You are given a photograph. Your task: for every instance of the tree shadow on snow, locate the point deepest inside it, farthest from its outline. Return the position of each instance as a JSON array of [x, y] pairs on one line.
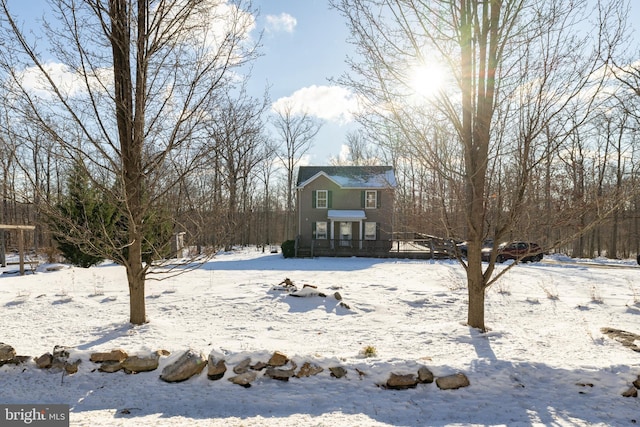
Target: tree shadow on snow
[[278, 262], [501, 393], [306, 304]]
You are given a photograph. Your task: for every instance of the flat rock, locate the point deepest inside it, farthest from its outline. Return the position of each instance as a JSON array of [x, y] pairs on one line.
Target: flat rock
[[401, 381], [45, 361], [452, 382], [189, 363], [110, 366], [243, 366], [278, 359], [279, 374], [144, 363], [631, 392], [111, 356], [308, 370], [72, 367], [338, 371], [244, 379]]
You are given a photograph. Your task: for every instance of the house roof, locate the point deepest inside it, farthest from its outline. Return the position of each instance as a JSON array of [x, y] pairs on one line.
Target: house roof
[[349, 176]]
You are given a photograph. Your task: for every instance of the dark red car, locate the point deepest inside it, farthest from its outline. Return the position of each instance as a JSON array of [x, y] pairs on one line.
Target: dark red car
[[521, 251]]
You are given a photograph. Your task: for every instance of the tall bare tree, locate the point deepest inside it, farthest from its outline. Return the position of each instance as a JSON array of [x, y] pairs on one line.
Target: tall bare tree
[[515, 68], [295, 133], [237, 130], [123, 89]]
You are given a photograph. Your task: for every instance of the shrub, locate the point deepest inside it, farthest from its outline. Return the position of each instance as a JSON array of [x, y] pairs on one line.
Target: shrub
[[369, 351], [288, 248]]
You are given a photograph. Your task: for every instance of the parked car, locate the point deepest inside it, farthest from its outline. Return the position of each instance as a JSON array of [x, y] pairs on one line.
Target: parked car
[[521, 251], [462, 247]]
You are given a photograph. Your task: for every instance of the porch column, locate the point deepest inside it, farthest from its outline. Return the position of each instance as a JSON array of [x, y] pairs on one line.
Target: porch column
[[333, 226], [361, 231]]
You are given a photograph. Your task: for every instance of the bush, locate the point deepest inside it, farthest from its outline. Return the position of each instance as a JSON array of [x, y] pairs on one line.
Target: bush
[[288, 248]]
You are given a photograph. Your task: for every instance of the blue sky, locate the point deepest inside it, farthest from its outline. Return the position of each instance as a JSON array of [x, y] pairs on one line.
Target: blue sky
[[303, 47]]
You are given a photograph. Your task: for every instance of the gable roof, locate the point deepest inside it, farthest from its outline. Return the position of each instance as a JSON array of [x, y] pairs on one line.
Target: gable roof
[[349, 176]]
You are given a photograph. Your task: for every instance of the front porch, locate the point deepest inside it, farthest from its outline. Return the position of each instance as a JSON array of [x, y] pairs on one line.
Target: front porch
[[343, 247], [409, 248]]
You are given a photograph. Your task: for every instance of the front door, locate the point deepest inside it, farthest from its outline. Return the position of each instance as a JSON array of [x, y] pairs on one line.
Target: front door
[[345, 234]]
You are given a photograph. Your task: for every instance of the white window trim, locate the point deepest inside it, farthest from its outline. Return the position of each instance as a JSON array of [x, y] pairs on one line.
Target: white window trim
[[366, 199], [325, 199], [325, 235], [369, 236]]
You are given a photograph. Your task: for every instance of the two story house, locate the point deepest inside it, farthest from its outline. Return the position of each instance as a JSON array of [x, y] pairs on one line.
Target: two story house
[[345, 210]]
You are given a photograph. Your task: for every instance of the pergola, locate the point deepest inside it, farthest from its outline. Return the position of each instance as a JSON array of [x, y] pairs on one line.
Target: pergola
[[20, 229]]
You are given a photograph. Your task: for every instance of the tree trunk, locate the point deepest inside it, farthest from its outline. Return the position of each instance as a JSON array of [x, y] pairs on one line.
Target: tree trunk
[[136, 279], [130, 120]]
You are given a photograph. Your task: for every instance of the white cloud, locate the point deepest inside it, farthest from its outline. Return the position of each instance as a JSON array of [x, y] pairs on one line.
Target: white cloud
[[283, 22], [331, 103], [345, 154], [66, 80]]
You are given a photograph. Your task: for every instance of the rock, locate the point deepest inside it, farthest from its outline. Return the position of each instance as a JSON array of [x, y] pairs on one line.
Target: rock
[[278, 359], [401, 381], [245, 379], [452, 382], [145, 363], [344, 305], [61, 352], [425, 376], [337, 296], [280, 374], [308, 370], [6, 352], [163, 352], [112, 356], [110, 366], [216, 366], [189, 363], [58, 364], [636, 383], [72, 367], [627, 339], [17, 360], [242, 367], [631, 392], [338, 372], [259, 366], [59, 360], [45, 361]]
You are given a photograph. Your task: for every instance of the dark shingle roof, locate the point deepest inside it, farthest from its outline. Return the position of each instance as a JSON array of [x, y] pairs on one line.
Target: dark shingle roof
[[351, 176]]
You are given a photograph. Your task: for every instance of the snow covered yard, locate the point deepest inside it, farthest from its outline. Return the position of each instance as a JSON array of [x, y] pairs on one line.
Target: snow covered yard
[[544, 362]]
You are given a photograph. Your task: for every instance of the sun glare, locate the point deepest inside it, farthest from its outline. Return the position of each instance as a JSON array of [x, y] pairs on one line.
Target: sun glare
[[427, 80]]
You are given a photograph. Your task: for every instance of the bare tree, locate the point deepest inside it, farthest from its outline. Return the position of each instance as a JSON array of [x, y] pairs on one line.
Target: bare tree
[[295, 132], [237, 130], [515, 68], [127, 96]]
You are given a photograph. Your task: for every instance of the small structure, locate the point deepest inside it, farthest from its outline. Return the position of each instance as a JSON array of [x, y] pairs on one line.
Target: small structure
[[345, 210], [177, 245], [20, 229]]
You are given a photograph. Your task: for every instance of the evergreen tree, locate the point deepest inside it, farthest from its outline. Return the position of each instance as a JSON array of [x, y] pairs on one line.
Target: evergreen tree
[[81, 220]]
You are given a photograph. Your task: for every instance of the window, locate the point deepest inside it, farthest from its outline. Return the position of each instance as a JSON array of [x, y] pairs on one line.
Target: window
[[321, 230], [369, 231], [322, 199], [371, 199]]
